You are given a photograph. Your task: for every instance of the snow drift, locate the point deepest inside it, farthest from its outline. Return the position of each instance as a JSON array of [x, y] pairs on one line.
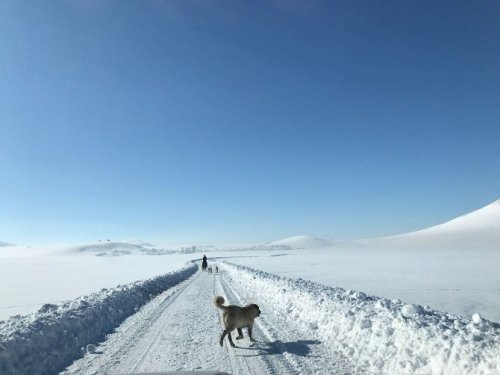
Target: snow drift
[[47, 341], [379, 335]]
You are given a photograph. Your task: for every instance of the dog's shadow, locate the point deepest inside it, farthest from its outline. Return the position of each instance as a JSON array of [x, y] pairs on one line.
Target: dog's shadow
[[300, 348]]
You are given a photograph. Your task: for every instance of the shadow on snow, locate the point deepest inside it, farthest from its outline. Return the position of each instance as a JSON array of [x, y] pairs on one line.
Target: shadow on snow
[[300, 348]]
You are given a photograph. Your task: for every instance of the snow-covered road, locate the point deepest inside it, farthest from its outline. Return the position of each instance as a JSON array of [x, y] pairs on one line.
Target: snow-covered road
[[179, 331], [169, 323]]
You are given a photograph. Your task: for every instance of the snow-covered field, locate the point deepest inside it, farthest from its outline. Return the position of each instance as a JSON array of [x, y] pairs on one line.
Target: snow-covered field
[[460, 283], [31, 277], [437, 286], [50, 339], [453, 267], [378, 335]]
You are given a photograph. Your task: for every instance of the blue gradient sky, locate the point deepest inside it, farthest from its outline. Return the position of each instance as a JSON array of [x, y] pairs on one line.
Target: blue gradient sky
[[236, 122]]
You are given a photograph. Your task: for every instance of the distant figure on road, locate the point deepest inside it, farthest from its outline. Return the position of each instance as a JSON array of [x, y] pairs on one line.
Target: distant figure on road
[[204, 263]]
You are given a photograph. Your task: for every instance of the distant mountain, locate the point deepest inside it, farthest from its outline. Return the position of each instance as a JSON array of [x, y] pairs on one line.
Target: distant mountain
[[112, 248], [300, 242], [6, 244], [140, 243], [477, 228]]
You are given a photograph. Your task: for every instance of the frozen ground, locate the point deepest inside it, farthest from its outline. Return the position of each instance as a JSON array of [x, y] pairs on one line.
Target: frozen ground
[[461, 283], [304, 328], [31, 277], [452, 267], [56, 335]]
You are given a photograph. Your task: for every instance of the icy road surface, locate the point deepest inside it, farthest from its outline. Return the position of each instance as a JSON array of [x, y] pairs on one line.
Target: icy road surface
[[179, 331]]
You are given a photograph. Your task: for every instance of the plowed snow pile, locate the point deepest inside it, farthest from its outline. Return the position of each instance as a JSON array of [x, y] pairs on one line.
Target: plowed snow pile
[[50, 339], [379, 335]]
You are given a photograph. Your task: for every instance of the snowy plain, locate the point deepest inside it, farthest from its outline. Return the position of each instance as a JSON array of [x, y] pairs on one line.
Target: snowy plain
[[31, 277], [448, 274]]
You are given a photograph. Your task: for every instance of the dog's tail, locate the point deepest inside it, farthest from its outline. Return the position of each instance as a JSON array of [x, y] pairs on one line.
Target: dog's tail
[[219, 302]]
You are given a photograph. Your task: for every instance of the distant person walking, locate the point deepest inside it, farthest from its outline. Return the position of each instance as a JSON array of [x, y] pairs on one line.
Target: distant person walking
[[204, 263]]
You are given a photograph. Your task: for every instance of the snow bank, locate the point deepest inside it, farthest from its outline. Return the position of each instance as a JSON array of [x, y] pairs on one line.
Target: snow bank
[[379, 335], [47, 341]]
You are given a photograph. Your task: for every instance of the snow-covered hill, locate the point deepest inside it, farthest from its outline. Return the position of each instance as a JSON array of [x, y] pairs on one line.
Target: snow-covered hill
[[300, 242], [111, 248], [477, 229], [140, 243]]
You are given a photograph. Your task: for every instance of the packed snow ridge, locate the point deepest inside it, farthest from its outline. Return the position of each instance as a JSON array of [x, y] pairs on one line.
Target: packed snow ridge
[[47, 341], [378, 335]]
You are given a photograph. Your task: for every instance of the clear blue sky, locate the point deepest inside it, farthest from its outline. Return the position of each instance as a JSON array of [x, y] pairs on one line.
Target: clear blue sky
[[244, 121]]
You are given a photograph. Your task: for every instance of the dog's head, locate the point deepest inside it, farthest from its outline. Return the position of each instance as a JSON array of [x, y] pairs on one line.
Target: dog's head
[[256, 309]]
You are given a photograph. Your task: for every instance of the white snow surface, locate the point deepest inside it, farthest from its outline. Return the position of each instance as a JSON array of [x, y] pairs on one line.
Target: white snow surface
[[181, 331], [477, 229], [50, 339], [379, 336], [484, 220], [32, 277], [305, 327], [452, 267]]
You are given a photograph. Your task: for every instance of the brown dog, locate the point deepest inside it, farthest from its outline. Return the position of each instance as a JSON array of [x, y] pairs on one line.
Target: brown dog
[[237, 317]]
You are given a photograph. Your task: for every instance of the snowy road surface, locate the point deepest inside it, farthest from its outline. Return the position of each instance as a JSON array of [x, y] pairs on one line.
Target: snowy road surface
[[179, 331], [169, 323]]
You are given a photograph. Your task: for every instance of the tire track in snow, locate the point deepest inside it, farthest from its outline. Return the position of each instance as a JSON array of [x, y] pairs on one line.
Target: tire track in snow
[[116, 346], [180, 331], [283, 365], [292, 348], [162, 308]]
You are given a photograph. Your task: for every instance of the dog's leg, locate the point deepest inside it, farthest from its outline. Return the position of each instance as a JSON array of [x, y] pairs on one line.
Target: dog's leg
[[250, 332], [224, 333], [228, 333], [230, 339], [240, 334]]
